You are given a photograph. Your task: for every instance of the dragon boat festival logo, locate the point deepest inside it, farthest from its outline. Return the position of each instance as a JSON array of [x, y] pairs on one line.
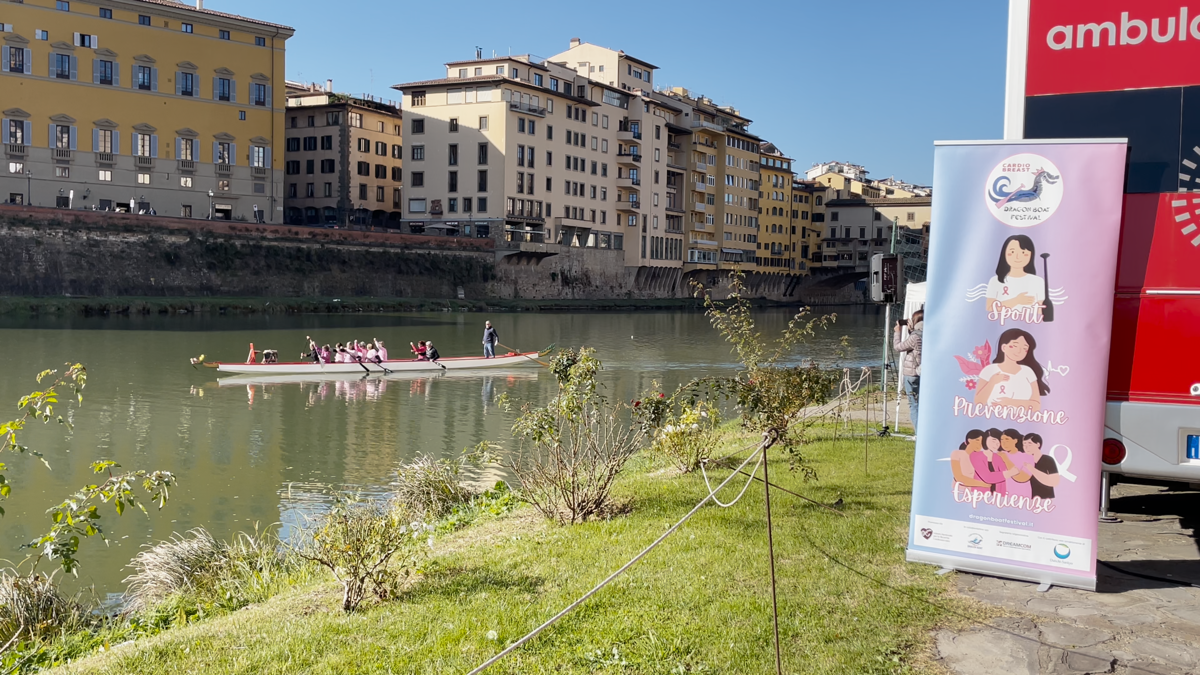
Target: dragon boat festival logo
[[1024, 190]]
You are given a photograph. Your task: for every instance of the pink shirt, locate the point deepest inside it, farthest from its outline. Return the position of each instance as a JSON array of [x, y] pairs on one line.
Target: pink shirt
[[1024, 463], [994, 475]]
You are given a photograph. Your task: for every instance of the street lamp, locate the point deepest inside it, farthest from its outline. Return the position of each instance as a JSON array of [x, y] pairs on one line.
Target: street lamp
[[210, 204], [28, 187]]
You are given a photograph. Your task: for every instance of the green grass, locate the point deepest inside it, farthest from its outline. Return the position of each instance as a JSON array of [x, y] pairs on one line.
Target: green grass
[[699, 603]]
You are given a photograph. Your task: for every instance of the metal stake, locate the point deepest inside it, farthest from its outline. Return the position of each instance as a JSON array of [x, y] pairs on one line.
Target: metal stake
[[771, 552], [1105, 486]]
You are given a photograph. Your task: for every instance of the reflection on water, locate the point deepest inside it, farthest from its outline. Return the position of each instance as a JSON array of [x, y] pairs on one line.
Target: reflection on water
[[262, 450]]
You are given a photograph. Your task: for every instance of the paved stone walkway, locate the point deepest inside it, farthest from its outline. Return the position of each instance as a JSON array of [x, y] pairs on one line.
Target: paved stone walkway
[[1129, 626]]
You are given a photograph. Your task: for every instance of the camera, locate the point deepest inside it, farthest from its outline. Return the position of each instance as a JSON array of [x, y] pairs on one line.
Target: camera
[[903, 322]]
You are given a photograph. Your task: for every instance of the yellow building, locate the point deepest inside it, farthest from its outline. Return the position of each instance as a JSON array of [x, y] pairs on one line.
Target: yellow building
[[142, 105], [777, 220], [808, 214]]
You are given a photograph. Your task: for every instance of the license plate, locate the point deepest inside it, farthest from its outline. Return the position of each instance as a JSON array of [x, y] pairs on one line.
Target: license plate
[[1193, 446]]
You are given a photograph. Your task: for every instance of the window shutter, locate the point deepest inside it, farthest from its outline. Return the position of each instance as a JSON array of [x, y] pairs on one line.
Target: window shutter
[[28, 62], [133, 144], [116, 74], [233, 91], [154, 79], [95, 42], [4, 131], [116, 142], [95, 140], [267, 158], [178, 148], [4, 58], [154, 145], [178, 83], [51, 62], [214, 81], [270, 103], [28, 132], [95, 71], [77, 39], [50, 138], [233, 154], [216, 152], [74, 142], [74, 67]]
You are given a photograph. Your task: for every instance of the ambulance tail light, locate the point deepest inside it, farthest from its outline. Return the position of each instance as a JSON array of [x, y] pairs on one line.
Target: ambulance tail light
[[1114, 452]]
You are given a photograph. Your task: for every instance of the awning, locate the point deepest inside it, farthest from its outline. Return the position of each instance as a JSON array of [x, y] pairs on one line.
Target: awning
[[734, 250]]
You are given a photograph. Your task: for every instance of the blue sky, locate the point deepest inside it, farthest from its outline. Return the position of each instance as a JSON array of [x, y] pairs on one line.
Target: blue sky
[[873, 82]]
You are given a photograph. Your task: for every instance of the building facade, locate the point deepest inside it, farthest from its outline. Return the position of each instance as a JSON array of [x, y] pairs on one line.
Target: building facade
[[860, 228], [344, 159], [808, 209], [142, 105], [779, 217]]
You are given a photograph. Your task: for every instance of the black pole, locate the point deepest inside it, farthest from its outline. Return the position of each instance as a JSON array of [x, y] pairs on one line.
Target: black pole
[[1048, 310], [771, 552]]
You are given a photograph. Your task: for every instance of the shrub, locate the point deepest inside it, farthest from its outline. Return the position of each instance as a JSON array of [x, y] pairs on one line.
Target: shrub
[[370, 546], [182, 563], [433, 486], [688, 435], [572, 449]]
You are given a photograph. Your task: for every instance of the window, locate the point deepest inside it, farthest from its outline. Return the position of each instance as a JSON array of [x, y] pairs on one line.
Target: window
[[105, 13], [143, 179], [293, 145], [355, 119], [310, 143], [364, 169], [364, 145], [104, 72], [224, 35], [225, 154], [328, 166], [185, 27], [62, 5], [418, 152], [418, 179], [520, 125], [397, 151], [833, 216], [291, 192], [328, 190], [62, 66], [462, 72], [603, 169], [16, 59], [483, 124], [452, 154], [362, 191], [396, 175], [381, 172], [105, 176], [310, 167], [520, 155], [452, 181], [453, 125], [104, 141], [532, 127], [41, 35], [416, 206], [260, 41], [258, 156], [224, 89], [143, 19], [418, 98], [381, 148], [418, 126], [911, 217], [483, 154], [258, 94], [379, 193], [466, 204], [482, 185], [332, 119], [292, 167]]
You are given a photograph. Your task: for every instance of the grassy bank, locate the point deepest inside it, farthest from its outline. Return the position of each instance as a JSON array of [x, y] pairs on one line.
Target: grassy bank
[[699, 603]]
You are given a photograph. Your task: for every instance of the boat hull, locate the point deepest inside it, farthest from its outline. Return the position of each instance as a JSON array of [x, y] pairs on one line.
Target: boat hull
[[406, 366]]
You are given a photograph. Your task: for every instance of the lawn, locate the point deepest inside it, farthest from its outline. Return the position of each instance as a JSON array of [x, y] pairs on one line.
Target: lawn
[[699, 603]]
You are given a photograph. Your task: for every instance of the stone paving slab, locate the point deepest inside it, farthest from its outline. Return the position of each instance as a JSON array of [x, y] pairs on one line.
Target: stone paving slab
[[1130, 626]]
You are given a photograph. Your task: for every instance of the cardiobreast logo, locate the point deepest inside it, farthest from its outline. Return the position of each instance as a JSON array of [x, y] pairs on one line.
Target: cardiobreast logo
[[1024, 190]]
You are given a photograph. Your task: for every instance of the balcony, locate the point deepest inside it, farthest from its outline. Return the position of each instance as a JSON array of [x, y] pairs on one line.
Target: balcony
[[675, 146], [143, 162], [106, 158], [188, 165], [16, 150], [627, 182], [629, 206], [526, 108], [674, 230], [629, 158], [701, 124], [703, 242], [624, 134], [671, 208], [62, 155], [259, 171], [700, 186], [698, 206], [224, 169], [674, 164]]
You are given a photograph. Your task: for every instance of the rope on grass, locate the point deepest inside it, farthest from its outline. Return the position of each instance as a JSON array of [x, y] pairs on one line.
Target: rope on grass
[[713, 493], [511, 648]]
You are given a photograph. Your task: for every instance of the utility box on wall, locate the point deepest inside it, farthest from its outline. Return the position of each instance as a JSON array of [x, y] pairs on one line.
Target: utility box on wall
[[887, 272]]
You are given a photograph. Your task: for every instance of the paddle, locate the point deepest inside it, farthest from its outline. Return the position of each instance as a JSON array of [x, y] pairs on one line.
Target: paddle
[[528, 357]]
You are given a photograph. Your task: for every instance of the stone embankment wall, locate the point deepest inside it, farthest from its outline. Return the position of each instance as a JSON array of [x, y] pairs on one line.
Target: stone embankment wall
[[49, 252]]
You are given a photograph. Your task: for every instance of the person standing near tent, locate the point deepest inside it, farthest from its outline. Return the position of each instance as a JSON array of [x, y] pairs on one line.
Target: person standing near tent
[[490, 338], [911, 367]]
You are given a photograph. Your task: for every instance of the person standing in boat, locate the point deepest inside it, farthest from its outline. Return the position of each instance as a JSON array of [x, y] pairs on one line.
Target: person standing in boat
[[490, 339], [314, 352], [431, 353], [381, 350]]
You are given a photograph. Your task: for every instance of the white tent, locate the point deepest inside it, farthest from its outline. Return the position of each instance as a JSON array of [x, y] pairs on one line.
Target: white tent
[[914, 298]]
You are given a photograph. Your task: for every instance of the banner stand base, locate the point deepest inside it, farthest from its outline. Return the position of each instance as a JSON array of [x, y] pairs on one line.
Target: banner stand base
[[999, 569], [1044, 587], [945, 570]]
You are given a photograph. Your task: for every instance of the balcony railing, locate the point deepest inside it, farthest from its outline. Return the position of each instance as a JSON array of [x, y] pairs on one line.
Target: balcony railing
[[626, 181], [629, 206], [143, 162], [17, 150], [700, 186], [701, 124], [258, 171], [62, 155], [526, 108], [625, 134], [629, 156], [675, 146], [106, 158], [187, 165], [224, 169], [675, 209], [698, 206]]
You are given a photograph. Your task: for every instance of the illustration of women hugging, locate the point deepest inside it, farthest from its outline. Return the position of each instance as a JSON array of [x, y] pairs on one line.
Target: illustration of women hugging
[[1014, 378], [1006, 462], [991, 464], [1016, 292]]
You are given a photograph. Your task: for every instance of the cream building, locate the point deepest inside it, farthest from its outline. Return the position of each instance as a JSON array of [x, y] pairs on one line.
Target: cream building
[[778, 221], [344, 159], [859, 228], [141, 105]]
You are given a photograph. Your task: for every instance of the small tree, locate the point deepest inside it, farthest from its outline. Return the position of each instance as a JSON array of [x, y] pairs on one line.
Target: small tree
[[572, 449], [688, 433]]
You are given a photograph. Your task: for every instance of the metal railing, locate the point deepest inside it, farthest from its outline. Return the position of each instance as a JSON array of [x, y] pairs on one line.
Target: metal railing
[[143, 161], [526, 108], [187, 165], [62, 154], [17, 149], [224, 169], [106, 158]]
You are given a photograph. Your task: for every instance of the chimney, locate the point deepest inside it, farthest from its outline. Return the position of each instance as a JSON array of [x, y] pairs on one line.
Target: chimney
[[328, 86], [199, 4], [574, 42]]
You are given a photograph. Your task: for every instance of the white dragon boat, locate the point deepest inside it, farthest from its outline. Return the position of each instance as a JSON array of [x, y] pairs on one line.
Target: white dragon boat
[[508, 360]]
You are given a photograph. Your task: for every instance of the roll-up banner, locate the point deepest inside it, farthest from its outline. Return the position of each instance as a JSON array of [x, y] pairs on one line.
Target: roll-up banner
[[1022, 266]]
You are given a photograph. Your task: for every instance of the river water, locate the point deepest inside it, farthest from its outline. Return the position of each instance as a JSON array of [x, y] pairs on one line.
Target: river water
[[263, 453]]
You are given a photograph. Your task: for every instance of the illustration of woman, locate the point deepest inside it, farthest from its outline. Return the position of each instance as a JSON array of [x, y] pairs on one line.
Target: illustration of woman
[[989, 464], [1014, 378], [1016, 283], [1019, 483], [960, 462]]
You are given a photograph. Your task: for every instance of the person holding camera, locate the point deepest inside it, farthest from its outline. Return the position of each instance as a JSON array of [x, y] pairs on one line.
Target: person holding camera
[[910, 347]]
